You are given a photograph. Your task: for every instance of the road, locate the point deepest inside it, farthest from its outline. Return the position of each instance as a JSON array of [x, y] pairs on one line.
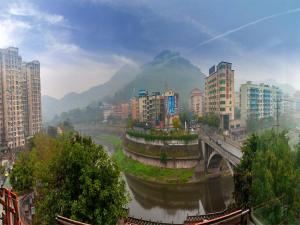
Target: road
[[228, 147]]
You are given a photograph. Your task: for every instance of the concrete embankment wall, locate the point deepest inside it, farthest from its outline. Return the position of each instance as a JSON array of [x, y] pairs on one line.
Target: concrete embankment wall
[[178, 156]]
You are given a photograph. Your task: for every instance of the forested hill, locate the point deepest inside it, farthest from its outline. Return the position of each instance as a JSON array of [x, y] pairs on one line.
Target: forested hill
[[166, 69]]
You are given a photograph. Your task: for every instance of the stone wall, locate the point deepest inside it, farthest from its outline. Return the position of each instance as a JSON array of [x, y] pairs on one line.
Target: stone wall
[[172, 151], [161, 143], [170, 162]]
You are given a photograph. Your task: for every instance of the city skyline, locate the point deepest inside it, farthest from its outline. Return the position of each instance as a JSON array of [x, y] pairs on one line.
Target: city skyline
[[89, 40]]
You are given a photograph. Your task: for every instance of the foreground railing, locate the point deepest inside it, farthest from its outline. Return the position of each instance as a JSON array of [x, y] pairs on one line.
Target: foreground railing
[[66, 221], [9, 201]]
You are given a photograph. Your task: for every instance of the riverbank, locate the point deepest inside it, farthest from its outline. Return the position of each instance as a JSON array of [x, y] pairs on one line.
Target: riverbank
[[151, 173], [142, 171]]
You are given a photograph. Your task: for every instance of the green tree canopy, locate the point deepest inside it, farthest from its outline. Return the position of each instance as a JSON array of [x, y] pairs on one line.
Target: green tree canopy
[[73, 177], [210, 119], [267, 179]]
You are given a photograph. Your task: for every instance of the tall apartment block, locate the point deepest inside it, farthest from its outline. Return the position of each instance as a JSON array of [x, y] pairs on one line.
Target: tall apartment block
[[259, 101], [20, 98], [150, 108], [219, 93], [31, 98], [196, 102]]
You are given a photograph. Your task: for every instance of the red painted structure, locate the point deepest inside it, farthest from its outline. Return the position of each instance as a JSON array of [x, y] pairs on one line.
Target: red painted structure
[[9, 202]]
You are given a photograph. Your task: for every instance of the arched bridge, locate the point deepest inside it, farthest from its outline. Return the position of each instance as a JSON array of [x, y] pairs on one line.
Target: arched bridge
[[215, 148]]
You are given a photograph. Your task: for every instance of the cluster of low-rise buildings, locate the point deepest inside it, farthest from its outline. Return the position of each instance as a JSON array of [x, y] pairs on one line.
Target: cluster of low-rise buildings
[[20, 99], [255, 101], [155, 109]]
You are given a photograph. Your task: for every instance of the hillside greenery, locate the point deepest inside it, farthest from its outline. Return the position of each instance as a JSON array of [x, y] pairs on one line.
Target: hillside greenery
[[88, 115], [167, 70]]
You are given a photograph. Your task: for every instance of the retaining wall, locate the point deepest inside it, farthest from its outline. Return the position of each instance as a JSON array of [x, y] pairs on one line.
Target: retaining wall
[[170, 162]]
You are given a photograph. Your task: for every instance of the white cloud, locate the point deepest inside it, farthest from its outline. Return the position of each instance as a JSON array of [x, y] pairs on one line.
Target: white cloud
[[63, 72], [30, 10], [12, 32]]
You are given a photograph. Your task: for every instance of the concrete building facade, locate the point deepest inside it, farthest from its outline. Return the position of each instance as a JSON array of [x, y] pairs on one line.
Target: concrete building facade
[[171, 107], [259, 101], [219, 93], [150, 108], [155, 109], [134, 108], [31, 98], [20, 98], [196, 102]]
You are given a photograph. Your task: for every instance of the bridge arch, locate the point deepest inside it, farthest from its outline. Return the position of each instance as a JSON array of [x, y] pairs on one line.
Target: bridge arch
[[214, 163]]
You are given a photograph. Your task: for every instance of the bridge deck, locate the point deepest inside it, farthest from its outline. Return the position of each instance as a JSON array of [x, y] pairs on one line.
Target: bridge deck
[[227, 150]]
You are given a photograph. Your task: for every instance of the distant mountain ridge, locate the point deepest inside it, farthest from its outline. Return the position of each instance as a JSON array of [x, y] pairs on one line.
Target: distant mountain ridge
[[167, 69], [52, 106]]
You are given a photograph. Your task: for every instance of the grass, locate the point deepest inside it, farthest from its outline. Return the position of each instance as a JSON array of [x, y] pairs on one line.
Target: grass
[[111, 139], [142, 171], [151, 173]]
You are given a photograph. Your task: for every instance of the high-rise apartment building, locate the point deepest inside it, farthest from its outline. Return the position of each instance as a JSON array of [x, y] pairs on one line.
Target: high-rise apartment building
[[259, 101], [196, 102], [32, 98], [20, 98], [219, 93], [150, 108]]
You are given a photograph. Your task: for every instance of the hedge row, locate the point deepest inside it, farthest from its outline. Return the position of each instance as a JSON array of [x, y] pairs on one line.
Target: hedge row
[[162, 137]]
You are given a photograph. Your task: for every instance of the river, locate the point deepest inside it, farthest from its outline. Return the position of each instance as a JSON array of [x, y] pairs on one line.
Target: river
[[173, 202]]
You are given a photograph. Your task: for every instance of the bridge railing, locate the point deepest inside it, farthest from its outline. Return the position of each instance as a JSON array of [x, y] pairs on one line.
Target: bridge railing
[[66, 221], [225, 153]]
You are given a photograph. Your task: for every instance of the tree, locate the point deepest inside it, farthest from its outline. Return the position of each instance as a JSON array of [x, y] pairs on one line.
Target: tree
[[243, 173], [66, 126], [176, 123], [163, 157], [210, 119], [267, 178], [52, 131], [22, 174], [75, 178]]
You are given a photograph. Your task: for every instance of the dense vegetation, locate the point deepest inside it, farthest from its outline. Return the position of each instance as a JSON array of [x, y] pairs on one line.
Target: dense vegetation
[[268, 178], [285, 121], [163, 136], [73, 177], [167, 68], [210, 119], [89, 114], [257, 125]]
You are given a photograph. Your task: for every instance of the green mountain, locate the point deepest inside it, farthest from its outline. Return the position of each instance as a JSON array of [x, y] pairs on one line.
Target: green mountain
[[52, 106], [166, 69]]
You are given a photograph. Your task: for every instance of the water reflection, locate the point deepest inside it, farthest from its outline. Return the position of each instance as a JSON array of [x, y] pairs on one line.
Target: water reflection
[[172, 202]]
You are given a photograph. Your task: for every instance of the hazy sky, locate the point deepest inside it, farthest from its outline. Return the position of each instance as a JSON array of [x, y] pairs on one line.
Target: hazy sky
[[81, 43]]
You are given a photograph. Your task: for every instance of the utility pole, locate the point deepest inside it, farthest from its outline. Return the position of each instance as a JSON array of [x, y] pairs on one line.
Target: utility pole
[[277, 115]]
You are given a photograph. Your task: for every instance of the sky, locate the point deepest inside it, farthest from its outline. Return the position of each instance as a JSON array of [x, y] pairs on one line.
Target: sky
[[82, 43]]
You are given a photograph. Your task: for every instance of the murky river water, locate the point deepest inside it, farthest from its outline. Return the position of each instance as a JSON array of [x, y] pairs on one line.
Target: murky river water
[[172, 202]]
